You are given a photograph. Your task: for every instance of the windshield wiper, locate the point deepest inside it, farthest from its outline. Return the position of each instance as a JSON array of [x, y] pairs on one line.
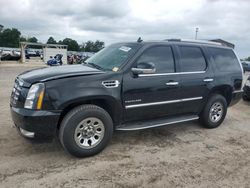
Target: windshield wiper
[[96, 66]]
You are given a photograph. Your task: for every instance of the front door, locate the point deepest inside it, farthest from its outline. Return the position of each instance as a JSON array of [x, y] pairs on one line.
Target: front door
[[147, 96]]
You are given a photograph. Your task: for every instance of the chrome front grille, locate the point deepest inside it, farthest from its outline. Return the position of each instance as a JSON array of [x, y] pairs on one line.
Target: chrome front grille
[[16, 91]]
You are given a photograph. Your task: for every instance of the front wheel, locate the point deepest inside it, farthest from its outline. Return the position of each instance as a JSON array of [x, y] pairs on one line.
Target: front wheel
[[214, 112], [86, 130], [245, 98]]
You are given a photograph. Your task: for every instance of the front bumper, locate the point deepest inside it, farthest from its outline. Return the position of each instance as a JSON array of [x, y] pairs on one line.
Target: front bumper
[[35, 122], [236, 97]]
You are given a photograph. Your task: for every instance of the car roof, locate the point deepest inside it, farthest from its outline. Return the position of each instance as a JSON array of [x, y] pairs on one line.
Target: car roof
[[183, 42]]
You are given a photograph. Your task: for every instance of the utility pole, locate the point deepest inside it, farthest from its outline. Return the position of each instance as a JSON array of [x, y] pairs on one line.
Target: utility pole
[[196, 33]]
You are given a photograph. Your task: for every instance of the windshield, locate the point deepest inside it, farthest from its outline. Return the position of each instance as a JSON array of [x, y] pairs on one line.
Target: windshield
[[113, 56]]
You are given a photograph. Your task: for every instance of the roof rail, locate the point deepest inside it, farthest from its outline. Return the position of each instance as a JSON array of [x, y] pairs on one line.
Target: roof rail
[[193, 41]]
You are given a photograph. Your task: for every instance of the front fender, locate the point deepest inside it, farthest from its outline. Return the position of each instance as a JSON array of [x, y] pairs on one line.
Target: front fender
[[62, 93]]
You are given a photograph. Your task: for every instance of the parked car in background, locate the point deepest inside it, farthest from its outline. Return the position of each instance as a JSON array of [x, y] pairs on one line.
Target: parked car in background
[[10, 55], [127, 86], [57, 60], [246, 89], [245, 65], [32, 53]]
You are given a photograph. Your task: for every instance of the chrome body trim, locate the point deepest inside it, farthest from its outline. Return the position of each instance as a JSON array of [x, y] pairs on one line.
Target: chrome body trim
[[238, 91], [194, 41], [172, 83], [111, 83], [173, 73], [156, 125], [162, 102], [27, 133], [208, 80]]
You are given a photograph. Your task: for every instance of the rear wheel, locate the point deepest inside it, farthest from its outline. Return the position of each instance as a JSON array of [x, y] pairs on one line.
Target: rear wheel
[[86, 130], [214, 112]]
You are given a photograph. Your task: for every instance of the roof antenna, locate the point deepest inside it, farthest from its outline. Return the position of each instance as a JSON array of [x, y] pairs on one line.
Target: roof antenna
[[139, 39]]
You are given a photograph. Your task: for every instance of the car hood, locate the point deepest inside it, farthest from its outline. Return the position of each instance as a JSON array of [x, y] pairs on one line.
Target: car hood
[[58, 72]]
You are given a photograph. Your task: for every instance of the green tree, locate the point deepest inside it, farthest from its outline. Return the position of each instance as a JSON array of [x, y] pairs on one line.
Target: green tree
[[51, 40], [91, 46], [1, 28], [23, 39], [32, 39], [88, 47], [98, 45], [72, 44], [10, 37], [82, 47], [248, 58]]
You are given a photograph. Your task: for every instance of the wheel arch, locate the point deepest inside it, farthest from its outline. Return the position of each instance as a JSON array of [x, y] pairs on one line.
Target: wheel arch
[[224, 90], [110, 104]]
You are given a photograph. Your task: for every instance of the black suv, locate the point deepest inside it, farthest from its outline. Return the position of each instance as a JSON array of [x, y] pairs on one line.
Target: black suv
[[127, 86]]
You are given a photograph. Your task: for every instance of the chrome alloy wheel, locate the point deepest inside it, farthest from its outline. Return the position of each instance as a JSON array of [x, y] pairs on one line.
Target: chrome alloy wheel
[[89, 132], [216, 112]]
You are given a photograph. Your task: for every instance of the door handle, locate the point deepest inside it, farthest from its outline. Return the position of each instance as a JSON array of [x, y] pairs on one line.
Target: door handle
[[172, 83], [208, 80]]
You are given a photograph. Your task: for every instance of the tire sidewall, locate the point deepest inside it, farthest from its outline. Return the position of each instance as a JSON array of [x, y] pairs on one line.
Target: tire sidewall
[[206, 113], [67, 137], [245, 98]]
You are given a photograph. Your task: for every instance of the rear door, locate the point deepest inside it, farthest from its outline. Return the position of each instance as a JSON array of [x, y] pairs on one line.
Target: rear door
[[196, 77]]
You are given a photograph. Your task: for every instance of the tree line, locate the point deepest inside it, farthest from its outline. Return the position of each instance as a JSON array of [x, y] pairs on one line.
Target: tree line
[[247, 59], [11, 37]]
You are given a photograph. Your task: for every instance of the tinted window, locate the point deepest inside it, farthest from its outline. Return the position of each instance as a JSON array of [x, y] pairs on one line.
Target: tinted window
[[161, 56], [225, 59], [192, 59]]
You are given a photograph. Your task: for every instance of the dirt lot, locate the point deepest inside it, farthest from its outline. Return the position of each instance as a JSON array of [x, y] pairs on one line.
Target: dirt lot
[[181, 155]]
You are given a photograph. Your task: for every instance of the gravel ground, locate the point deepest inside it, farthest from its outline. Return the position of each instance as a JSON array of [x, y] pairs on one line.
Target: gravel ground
[[180, 155]]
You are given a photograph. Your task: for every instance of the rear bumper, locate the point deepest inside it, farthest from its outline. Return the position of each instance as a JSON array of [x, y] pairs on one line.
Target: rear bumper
[[236, 97], [34, 123]]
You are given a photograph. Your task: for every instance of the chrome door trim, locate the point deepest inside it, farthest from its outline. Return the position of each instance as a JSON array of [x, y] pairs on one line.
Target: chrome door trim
[[157, 125], [208, 80], [173, 73], [172, 83], [162, 102]]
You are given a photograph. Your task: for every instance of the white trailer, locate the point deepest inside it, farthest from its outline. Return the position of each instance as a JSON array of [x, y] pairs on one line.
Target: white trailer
[[49, 50]]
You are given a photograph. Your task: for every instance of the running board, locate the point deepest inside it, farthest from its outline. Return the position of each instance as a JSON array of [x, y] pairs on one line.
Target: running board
[[155, 123]]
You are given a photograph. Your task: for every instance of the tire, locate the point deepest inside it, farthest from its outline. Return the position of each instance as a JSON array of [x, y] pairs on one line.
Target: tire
[[214, 112], [245, 98], [86, 130]]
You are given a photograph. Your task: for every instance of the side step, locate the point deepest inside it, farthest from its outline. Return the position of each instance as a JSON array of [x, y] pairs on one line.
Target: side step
[[138, 125]]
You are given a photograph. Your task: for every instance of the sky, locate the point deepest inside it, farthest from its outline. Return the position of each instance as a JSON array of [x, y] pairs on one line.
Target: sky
[[126, 20]]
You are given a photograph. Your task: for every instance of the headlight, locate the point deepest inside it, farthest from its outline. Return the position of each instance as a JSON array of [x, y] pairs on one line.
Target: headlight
[[35, 96], [248, 83]]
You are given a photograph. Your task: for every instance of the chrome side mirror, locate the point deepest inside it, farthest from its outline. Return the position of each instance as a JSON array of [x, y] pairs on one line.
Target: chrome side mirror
[[144, 68]]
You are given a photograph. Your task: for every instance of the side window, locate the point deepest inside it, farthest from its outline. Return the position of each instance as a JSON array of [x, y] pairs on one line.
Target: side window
[[225, 59], [161, 56], [192, 59]]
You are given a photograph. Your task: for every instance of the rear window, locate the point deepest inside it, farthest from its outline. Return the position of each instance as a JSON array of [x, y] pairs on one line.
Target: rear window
[[192, 59], [225, 59]]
